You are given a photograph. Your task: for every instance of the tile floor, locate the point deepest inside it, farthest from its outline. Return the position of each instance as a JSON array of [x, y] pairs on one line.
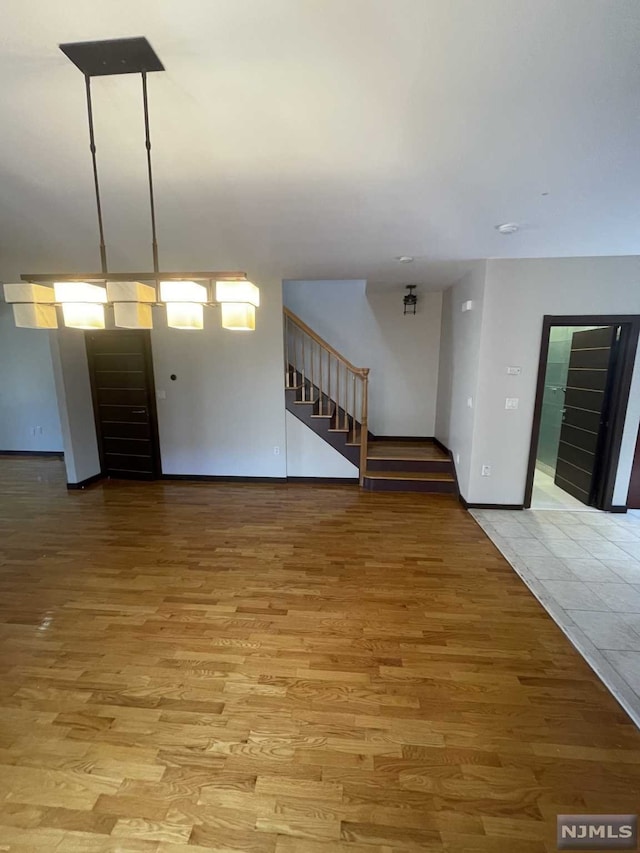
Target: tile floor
[[584, 568]]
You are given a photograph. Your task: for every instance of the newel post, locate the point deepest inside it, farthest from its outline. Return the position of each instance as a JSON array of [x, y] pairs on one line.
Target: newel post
[[364, 423]]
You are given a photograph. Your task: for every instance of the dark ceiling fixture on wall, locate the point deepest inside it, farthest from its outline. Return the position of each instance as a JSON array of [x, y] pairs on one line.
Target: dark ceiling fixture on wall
[[410, 300], [132, 294]]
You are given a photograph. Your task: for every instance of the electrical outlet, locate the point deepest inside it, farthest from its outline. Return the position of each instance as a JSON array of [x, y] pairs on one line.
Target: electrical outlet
[[514, 371], [511, 403], [486, 470], [276, 451]]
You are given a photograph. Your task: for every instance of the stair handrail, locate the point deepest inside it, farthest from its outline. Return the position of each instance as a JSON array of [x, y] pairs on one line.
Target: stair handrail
[[360, 371]]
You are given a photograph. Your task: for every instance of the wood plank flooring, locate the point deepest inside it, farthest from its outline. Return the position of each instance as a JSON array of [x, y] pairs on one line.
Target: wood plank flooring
[[410, 450], [283, 669]]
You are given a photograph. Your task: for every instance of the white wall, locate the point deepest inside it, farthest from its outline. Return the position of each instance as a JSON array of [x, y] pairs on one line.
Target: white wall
[[368, 328], [225, 412], [308, 455], [459, 365], [518, 294], [27, 390], [73, 387]]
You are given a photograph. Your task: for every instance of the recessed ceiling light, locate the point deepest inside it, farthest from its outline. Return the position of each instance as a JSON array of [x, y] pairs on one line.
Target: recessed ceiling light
[[404, 259], [507, 228]]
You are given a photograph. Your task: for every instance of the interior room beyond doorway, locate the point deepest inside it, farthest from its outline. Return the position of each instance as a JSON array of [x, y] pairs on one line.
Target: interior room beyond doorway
[[579, 362]]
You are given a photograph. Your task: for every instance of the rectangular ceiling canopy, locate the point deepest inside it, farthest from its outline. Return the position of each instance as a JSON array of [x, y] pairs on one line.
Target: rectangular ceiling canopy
[[113, 56]]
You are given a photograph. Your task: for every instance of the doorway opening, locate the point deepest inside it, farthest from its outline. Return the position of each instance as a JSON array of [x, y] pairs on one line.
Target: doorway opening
[[584, 377], [121, 373]]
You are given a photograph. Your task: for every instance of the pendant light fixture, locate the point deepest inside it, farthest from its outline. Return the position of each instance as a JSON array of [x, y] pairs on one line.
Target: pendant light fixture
[[82, 298], [238, 301]]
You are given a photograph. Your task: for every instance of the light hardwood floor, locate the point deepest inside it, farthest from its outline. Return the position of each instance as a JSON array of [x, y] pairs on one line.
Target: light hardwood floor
[[283, 669]]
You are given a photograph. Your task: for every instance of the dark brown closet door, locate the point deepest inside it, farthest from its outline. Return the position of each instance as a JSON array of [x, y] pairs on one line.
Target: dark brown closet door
[[121, 373], [585, 406], [633, 500]]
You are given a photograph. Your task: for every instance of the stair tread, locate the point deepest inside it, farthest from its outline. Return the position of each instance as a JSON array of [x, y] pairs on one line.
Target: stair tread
[[444, 460], [406, 451], [328, 411], [426, 476]]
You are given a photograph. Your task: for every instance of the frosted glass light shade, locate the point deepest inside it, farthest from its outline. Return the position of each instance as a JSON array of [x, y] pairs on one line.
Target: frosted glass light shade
[[132, 315], [185, 315], [182, 291], [130, 291], [79, 291], [30, 315], [238, 316], [26, 292], [237, 291], [83, 315]]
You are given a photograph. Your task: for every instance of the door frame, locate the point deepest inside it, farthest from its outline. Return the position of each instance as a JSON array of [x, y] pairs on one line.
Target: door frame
[[620, 396], [145, 336]]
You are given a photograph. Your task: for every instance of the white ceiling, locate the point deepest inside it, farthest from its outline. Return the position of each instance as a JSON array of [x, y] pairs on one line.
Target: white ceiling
[[321, 138]]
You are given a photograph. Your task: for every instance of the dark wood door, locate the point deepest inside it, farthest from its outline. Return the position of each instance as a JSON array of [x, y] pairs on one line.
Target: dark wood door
[[633, 500], [121, 373], [585, 418]]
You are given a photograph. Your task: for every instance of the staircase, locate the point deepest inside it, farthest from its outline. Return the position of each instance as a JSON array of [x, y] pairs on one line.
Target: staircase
[[330, 395], [408, 466]]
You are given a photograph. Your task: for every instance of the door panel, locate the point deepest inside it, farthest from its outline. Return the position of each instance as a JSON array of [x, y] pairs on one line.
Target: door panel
[[580, 437], [575, 456], [588, 378], [574, 480], [584, 411], [123, 414], [125, 429], [119, 361], [633, 499], [124, 397], [120, 379], [134, 446], [581, 419], [124, 402]]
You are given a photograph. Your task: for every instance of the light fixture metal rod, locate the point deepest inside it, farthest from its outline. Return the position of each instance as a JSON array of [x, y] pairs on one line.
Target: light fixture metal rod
[[156, 266], [92, 147]]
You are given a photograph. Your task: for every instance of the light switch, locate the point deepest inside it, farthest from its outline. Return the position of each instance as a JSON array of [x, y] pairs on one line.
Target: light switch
[[468, 305], [161, 395], [514, 371], [470, 402], [511, 402]]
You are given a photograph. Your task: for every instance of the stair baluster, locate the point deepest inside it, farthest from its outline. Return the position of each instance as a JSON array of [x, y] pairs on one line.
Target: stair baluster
[[319, 375]]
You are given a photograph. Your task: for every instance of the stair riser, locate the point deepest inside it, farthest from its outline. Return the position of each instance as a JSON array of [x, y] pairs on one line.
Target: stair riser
[[430, 487], [337, 440], [417, 465], [312, 392]]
